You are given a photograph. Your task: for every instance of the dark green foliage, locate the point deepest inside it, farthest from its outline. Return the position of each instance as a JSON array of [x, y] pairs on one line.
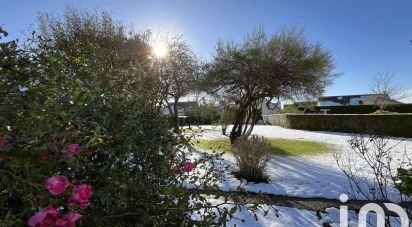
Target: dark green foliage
[[87, 85], [292, 109], [404, 183], [262, 67], [381, 124], [360, 109], [204, 114]]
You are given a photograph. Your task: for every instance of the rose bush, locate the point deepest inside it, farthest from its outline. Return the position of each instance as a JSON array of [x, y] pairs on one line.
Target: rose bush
[[51, 215], [77, 105]]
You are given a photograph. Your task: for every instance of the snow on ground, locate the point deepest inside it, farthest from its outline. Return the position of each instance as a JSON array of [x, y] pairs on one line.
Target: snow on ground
[[280, 216], [302, 176], [277, 216]]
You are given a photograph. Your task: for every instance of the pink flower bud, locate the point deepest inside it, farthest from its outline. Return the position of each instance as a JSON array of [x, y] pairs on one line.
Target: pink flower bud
[[189, 166]]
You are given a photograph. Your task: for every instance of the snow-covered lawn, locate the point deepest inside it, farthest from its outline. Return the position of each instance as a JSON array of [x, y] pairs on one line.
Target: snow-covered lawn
[[281, 216], [302, 176], [314, 176]]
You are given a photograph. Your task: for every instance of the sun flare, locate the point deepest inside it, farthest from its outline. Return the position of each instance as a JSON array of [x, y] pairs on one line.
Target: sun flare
[[160, 49]]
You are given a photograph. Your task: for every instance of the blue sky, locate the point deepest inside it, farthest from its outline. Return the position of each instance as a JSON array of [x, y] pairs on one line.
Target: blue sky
[[365, 37]]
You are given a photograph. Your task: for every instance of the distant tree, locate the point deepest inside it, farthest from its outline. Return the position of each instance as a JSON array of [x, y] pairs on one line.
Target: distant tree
[[283, 65], [384, 84], [177, 73], [204, 113]]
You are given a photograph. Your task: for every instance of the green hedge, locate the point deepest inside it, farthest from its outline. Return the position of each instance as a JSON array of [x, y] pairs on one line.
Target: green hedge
[[399, 125], [361, 109]]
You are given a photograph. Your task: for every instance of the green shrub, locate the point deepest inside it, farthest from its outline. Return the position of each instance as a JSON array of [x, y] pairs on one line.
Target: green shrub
[[380, 124], [252, 155], [203, 114], [404, 183], [291, 109], [85, 114], [361, 109]]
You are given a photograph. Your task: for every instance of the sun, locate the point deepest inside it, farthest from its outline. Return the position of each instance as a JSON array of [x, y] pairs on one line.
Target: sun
[[160, 49]]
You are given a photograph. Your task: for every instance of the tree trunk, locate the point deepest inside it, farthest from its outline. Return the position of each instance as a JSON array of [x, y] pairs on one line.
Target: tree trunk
[[238, 124], [224, 127], [247, 113], [176, 117]]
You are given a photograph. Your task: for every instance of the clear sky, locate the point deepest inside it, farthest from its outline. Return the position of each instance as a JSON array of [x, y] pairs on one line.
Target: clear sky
[[365, 37]]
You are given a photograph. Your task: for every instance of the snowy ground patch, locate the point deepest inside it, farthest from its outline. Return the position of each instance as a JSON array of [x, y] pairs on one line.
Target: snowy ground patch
[[302, 176], [281, 216]]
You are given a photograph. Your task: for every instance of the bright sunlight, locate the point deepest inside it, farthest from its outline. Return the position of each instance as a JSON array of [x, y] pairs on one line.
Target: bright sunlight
[[160, 49]]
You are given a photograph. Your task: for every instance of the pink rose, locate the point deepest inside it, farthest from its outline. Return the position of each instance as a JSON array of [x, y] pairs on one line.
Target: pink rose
[[71, 150], [57, 184], [2, 141], [46, 217], [82, 194], [189, 166]]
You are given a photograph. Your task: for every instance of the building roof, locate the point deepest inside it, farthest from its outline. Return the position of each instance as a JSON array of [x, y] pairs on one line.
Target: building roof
[[360, 99], [185, 104], [350, 96]]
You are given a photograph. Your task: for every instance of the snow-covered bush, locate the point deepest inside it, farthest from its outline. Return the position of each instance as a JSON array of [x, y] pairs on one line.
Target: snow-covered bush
[[252, 155]]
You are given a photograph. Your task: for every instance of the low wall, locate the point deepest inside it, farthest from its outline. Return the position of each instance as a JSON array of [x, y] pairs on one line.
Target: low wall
[[399, 125]]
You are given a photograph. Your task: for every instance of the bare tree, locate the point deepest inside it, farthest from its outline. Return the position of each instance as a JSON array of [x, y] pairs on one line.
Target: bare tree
[[371, 169], [384, 84]]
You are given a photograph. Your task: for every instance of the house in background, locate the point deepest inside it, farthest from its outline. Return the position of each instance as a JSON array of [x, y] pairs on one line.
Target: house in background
[[356, 100], [302, 105], [271, 107], [182, 107]]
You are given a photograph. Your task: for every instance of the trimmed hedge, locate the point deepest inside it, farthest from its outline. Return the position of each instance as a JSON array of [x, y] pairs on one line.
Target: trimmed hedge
[[360, 109], [398, 125]]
